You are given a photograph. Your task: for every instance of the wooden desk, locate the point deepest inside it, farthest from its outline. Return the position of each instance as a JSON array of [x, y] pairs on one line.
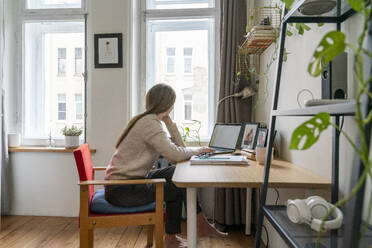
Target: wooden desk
[[282, 175]]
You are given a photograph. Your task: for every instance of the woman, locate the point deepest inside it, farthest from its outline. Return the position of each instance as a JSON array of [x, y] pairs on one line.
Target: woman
[[141, 142]]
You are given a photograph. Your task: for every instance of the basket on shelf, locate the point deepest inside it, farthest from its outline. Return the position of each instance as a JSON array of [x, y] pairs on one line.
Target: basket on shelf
[[263, 26]]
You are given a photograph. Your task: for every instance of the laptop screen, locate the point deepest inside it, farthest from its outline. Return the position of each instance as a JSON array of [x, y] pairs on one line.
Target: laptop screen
[[225, 136]]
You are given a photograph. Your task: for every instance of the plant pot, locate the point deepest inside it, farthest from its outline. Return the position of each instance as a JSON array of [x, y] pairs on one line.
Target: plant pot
[[71, 141], [14, 140], [261, 155]]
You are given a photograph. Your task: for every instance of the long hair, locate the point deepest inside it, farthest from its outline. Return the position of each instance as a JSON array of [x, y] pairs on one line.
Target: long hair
[[159, 99]]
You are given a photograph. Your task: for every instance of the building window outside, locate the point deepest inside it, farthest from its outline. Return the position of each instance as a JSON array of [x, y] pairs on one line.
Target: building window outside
[[78, 107], [61, 62], [53, 52], [180, 52], [62, 107], [78, 61], [187, 54], [171, 60], [188, 107]]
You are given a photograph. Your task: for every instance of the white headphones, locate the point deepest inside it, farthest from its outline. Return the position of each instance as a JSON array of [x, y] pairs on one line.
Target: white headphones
[[311, 211]]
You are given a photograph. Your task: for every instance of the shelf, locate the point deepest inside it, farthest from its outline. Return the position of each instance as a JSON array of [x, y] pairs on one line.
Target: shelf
[[294, 15], [301, 235], [345, 109]]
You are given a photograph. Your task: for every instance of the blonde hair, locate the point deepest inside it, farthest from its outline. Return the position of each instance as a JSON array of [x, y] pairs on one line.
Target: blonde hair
[[159, 99]]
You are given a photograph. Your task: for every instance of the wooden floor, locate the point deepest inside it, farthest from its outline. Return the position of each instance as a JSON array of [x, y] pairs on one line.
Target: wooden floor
[[38, 232]]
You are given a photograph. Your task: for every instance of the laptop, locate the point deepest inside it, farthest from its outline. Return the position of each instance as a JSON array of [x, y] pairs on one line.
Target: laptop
[[225, 137]]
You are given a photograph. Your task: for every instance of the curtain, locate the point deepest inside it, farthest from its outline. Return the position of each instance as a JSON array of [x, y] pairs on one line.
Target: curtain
[[4, 157], [230, 204]]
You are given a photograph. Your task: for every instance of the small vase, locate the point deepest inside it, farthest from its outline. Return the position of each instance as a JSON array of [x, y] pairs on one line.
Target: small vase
[[71, 141]]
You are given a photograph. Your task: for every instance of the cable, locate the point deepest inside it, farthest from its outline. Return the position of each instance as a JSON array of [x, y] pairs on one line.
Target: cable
[[267, 236], [342, 122], [277, 196]]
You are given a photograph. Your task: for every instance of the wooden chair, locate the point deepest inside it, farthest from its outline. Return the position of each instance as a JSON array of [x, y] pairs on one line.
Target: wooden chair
[[88, 220]]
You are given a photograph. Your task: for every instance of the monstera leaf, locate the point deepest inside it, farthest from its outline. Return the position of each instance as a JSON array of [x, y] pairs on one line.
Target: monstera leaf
[[332, 44], [308, 133], [356, 4], [288, 3]]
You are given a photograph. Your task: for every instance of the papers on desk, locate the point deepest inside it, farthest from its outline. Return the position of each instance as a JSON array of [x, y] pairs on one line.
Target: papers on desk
[[219, 160]]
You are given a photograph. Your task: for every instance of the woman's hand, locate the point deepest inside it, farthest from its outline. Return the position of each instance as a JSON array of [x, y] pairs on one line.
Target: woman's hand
[[205, 150], [167, 120]]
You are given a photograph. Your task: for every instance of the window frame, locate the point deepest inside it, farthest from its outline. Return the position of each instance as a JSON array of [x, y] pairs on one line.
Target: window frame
[[179, 14], [35, 16]]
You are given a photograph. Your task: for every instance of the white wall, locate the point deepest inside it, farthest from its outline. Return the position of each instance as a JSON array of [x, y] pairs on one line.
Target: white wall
[[46, 183], [294, 78]]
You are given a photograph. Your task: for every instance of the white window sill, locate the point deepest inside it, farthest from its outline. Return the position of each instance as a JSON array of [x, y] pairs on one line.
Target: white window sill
[[44, 149]]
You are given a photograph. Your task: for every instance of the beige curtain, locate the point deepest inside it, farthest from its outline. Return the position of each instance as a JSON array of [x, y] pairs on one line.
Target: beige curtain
[[230, 204]]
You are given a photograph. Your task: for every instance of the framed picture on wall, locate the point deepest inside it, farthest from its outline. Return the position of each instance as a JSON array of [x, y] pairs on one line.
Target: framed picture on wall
[[249, 135], [108, 50], [261, 137]]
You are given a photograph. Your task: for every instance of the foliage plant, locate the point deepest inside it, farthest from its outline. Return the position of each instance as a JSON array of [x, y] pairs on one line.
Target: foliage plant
[[308, 133], [191, 131], [72, 131]]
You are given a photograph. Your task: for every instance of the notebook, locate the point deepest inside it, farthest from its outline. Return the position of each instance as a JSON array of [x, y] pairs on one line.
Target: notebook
[[219, 160]]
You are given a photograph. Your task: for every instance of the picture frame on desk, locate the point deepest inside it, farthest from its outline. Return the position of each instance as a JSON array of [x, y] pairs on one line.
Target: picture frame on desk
[[262, 137], [249, 138]]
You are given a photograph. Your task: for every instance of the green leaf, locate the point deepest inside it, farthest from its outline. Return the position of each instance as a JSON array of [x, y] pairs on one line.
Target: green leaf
[[308, 133], [246, 29], [332, 44], [288, 3], [358, 5], [187, 129], [306, 27], [289, 33], [285, 55], [320, 24], [301, 27]]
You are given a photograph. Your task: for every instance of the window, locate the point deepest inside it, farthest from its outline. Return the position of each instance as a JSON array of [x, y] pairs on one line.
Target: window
[[61, 107], [61, 61], [78, 107], [78, 61], [52, 54], [179, 4], [171, 53], [53, 4], [187, 53], [188, 107], [180, 48]]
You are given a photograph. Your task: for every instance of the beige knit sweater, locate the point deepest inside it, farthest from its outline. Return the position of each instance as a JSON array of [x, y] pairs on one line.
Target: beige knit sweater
[[146, 140]]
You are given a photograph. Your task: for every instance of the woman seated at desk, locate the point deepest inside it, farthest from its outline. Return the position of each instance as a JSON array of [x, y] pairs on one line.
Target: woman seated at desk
[[139, 145]]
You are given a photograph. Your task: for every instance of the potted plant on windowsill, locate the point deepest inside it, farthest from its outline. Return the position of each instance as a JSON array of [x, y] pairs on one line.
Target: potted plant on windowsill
[[72, 136]]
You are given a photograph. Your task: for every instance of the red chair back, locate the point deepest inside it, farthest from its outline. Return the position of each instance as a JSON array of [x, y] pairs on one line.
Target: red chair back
[[84, 166]]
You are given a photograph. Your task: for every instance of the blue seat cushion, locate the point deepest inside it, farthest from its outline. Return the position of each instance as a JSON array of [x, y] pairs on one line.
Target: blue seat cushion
[[99, 205]]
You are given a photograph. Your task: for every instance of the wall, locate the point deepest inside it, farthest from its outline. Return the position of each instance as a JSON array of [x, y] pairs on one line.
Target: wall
[[46, 183], [294, 78]]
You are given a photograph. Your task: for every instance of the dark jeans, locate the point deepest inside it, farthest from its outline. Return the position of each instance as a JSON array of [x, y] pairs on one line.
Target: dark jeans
[[141, 194]]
